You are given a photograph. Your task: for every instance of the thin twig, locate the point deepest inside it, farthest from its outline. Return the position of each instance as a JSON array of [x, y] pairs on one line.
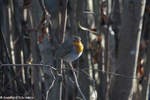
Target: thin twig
[[87, 29], [76, 81], [26, 65], [50, 87], [54, 68], [42, 4], [93, 80], [112, 73], [5, 46]]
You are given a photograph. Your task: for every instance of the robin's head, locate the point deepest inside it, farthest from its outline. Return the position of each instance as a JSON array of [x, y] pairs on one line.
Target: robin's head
[[76, 40]]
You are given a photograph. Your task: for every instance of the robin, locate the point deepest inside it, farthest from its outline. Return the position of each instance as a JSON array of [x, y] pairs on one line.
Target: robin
[[70, 50]]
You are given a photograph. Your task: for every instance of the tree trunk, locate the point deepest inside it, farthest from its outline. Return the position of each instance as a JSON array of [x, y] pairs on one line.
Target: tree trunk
[[130, 31], [146, 80]]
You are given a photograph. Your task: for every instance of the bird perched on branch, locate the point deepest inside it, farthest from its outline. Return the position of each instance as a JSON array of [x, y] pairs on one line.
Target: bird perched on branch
[[70, 50]]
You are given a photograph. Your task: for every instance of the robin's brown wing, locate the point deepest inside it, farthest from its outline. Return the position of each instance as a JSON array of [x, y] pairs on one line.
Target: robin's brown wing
[[63, 50]]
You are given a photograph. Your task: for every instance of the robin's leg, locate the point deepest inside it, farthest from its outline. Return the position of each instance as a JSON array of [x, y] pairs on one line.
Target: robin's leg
[[70, 65]]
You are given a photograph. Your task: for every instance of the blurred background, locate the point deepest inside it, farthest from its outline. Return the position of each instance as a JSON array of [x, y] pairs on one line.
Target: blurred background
[[115, 61]]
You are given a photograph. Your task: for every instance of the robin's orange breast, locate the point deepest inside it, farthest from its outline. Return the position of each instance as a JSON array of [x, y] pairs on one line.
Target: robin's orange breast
[[78, 46]]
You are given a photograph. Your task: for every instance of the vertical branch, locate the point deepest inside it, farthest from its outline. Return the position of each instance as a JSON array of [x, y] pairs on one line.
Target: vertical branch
[[34, 19], [63, 10], [18, 39], [63, 22], [4, 30]]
